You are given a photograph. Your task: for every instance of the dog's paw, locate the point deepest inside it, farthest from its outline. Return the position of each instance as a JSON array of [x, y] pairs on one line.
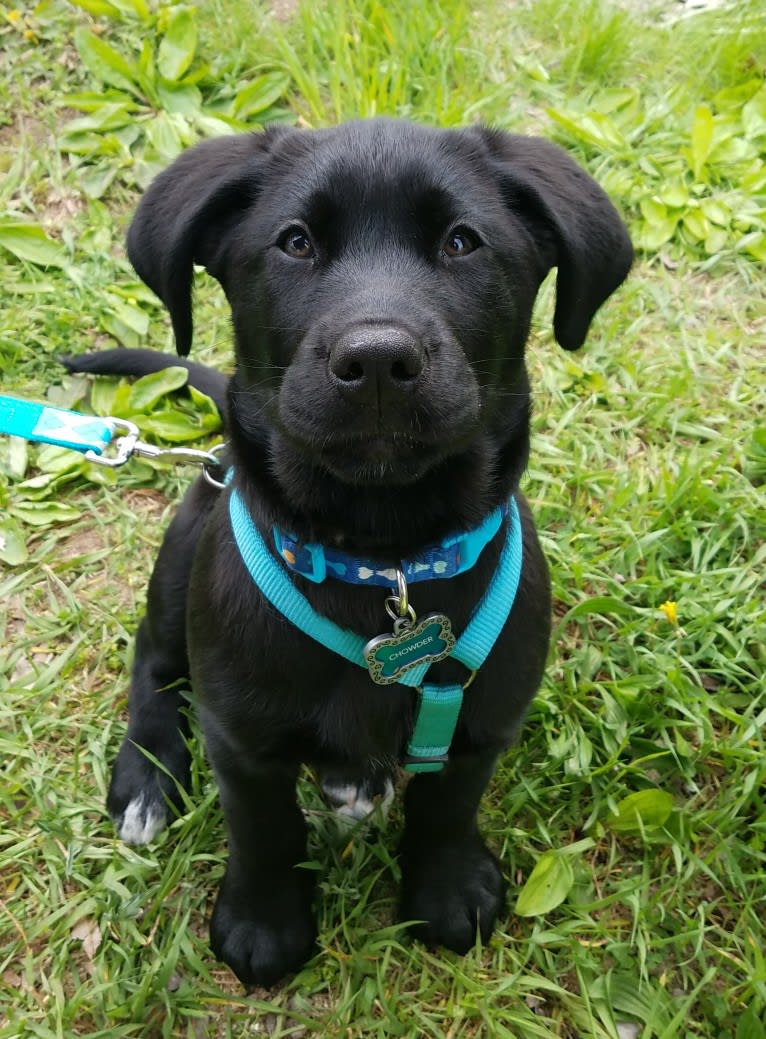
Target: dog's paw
[[140, 794], [142, 819], [358, 801], [263, 941], [451, 892]]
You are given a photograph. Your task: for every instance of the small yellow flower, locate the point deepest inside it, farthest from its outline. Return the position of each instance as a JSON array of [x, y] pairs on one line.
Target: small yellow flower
[[14, 16], [670, 611]]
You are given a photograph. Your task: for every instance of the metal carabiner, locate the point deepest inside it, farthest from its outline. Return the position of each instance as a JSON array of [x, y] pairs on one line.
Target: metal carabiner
[[127, 445], [124, 446]]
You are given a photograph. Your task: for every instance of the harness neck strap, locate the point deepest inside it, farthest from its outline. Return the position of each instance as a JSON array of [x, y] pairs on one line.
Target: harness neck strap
[[431, 739]]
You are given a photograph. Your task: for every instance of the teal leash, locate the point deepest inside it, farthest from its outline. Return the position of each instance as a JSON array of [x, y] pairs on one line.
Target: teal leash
[[439, 705], [47, 425], [106, 441]]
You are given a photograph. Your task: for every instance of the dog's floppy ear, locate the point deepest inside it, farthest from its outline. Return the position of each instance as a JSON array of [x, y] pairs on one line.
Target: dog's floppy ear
[[185, 216], [573, 223]]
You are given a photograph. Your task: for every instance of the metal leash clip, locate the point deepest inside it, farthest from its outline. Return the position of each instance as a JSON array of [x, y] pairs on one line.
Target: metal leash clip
[[127, 445]]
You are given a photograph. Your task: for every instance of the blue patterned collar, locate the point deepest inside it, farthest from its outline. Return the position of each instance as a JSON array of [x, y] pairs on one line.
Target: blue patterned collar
[[452, 556]]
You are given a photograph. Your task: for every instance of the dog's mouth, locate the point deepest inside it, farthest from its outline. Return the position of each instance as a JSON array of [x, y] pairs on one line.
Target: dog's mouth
[[392, 458]]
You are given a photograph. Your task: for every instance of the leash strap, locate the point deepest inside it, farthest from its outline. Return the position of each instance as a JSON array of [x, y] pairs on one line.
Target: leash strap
[[439, 706], [47, 425]]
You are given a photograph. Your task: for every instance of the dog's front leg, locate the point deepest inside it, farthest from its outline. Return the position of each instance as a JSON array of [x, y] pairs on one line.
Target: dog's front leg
[[451, 881], [263, 925]]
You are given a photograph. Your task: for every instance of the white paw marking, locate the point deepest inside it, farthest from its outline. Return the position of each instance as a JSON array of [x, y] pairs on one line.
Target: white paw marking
[[141, 821], [349, 802]]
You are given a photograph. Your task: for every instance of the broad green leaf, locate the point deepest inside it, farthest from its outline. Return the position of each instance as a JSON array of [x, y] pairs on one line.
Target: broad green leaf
[[129, 314], [124, 138], [199, 72], [212, 126], [103, 393], [109, 117], [181, 98], [617, 99], [731, 149], [171, 425], [581, 753], [673, 195], [702, 139], [644, 810], [736, 96], [148, 390], [716, 241], [44, 487], [578, 847], [696, 224], [163, 135], [204, 405], [147, 72], [645, 1001], [105, 63], [653, 211], [98, 8], [119, 331], [651, 237], [93, 102], [260, 94], [716, 212], [754, 182], [16, 457], [88, 144], [44, 513], [178, 45], [139, 8], [13, 548], [135, 292], [29, 242], [591, 127], [94, 180], [53, 459], [755, 244], [754, 115], [547, 885], [749, 1026]]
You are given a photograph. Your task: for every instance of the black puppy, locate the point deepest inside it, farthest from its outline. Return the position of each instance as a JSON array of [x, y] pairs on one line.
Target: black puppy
[[381, 278]]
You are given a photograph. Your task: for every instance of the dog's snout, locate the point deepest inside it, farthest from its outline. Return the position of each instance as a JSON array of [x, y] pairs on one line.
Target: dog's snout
[[376, 361]]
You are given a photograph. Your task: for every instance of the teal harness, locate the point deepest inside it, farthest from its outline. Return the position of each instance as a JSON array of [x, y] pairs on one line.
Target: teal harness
[[407, 654]]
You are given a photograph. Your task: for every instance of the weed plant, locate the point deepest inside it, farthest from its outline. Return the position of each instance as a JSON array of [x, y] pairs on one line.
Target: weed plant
[[630, 817]]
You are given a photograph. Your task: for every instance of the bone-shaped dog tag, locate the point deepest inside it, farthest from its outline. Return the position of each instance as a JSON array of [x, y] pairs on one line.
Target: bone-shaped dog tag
[[390, 656]]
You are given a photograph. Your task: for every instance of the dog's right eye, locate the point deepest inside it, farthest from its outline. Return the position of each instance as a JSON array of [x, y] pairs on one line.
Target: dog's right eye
[[295, 242], [461, 242]]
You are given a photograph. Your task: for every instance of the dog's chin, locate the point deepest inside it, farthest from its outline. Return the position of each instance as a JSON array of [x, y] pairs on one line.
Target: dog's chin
[[392, 460]]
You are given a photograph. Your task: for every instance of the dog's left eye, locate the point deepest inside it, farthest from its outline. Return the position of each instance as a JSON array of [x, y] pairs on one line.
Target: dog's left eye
[[296, 243], [461, 242]]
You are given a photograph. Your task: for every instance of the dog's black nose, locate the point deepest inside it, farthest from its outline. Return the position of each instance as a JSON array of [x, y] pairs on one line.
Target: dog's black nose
[[376, 361]]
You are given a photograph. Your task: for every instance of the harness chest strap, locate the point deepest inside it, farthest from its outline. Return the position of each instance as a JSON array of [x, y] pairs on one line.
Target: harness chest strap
[[439, 707]]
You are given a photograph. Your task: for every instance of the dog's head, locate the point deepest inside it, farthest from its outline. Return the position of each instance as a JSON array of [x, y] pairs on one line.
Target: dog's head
[[381, 278]]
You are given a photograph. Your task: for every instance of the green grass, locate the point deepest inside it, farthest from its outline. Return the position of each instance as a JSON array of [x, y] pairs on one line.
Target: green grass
[[647, 479]]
